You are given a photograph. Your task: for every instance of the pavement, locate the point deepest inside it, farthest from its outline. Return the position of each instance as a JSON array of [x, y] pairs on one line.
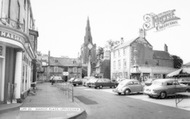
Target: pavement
[[49, 102]]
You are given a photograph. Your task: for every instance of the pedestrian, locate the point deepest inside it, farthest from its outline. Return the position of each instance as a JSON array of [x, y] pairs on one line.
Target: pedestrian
[[52, 80]]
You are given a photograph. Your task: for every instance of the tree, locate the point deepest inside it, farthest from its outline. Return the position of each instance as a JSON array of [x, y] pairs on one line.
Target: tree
[[178, 62], [112, 43], [100, 53]]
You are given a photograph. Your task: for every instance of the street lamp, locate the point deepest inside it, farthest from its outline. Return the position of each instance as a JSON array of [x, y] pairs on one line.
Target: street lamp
[[89, 62]]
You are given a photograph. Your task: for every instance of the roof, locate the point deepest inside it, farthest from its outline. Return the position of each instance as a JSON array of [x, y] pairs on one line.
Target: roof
[[161, 55], [129, 42], [187, 64], [64, 61]]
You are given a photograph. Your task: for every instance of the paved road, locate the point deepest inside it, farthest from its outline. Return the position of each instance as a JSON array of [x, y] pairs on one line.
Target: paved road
[[101, 104]]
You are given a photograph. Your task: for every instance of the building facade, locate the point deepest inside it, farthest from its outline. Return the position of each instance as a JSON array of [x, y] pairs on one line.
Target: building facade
[[137, 59], [60, 66], [18, 48]]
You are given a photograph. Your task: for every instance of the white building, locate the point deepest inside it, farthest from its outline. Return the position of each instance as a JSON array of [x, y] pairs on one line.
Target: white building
[[137, 59]]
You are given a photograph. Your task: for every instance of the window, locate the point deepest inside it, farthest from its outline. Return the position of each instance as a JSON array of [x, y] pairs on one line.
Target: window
[[119, 53], [114, 54], [74, 69], [114, 65], [119, 64], [169, 83], [124, 63], [124, 51], [55, 69]]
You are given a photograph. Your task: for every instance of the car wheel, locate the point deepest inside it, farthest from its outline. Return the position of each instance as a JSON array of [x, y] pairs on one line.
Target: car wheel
[[163, 95], [95, 87], [119, 93], [127, 91], [100, 87]]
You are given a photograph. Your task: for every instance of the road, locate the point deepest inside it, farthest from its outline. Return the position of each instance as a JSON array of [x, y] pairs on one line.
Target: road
[[101, 104]]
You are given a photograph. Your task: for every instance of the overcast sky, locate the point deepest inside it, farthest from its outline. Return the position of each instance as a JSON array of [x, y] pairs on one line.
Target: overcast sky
[[61, 24]]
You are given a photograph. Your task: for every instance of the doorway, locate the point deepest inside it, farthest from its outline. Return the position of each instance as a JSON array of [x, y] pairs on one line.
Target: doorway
[[10, 60]]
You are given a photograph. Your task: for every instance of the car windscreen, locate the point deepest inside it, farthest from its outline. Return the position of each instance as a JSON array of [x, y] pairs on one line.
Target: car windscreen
[[124, 82]]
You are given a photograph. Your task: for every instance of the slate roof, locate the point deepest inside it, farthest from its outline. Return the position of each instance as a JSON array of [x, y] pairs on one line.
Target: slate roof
[[55, 61], [129, 42], [161, 55]]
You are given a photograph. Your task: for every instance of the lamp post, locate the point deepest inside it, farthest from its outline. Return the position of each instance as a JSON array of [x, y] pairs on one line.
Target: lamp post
[[89, 59]]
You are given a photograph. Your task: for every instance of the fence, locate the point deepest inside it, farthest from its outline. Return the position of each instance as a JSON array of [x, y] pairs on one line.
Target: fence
[[67, 89]]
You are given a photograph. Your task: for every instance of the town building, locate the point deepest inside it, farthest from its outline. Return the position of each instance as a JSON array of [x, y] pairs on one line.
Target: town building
[[60, 66], [18, 50], [137, 59], [88, 54]]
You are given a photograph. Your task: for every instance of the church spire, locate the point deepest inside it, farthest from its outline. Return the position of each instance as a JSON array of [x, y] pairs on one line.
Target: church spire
[[88, 37]]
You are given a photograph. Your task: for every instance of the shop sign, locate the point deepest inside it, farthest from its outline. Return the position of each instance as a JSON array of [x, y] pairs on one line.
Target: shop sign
[[1, 50], [65, 73], [160, 21], [12, 36]]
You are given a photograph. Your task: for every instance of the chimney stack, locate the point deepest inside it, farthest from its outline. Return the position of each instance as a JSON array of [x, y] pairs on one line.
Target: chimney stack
[[165, 48], [142, 33]]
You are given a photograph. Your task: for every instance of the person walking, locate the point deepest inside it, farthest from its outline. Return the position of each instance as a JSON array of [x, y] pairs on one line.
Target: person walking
[[52, 80]]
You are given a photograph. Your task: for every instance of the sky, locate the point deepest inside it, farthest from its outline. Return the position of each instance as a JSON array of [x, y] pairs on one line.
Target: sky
[[61, 24]]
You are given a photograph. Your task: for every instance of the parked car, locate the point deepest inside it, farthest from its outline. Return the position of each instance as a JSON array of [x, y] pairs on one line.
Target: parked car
[[161, 88], [71, 80], [75, 81], [102, 82], [129, 86], [91, 80], [56, 79], [118, 80], [184, 81], [148, 82], [85, 80]]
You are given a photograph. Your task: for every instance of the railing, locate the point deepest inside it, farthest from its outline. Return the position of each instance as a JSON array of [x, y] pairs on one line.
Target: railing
[[67, 89]]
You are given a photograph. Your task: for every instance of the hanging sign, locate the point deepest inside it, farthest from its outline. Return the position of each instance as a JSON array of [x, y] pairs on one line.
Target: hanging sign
[[160, 21]]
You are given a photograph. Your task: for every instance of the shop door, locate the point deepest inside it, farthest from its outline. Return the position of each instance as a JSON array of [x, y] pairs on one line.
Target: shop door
[[9, 73]]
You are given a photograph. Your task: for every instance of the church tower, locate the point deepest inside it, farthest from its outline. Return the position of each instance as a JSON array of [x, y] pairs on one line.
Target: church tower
[[85, 51]]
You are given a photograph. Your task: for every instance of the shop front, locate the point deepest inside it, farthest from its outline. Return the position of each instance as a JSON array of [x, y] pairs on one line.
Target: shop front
[[15, 64]]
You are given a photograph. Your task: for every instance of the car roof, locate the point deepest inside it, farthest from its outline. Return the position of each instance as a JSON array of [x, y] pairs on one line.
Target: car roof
[[127, 80], [165, 80]]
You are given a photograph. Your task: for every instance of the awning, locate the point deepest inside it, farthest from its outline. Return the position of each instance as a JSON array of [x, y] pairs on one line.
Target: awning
[[180, 72]]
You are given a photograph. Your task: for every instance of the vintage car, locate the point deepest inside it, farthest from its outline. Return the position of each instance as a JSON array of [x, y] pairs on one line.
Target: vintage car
[[184, 80], [56, 79], [75, 81], [86, 80], [161, 88], [102, 82], [148, 82], [129, 86]]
